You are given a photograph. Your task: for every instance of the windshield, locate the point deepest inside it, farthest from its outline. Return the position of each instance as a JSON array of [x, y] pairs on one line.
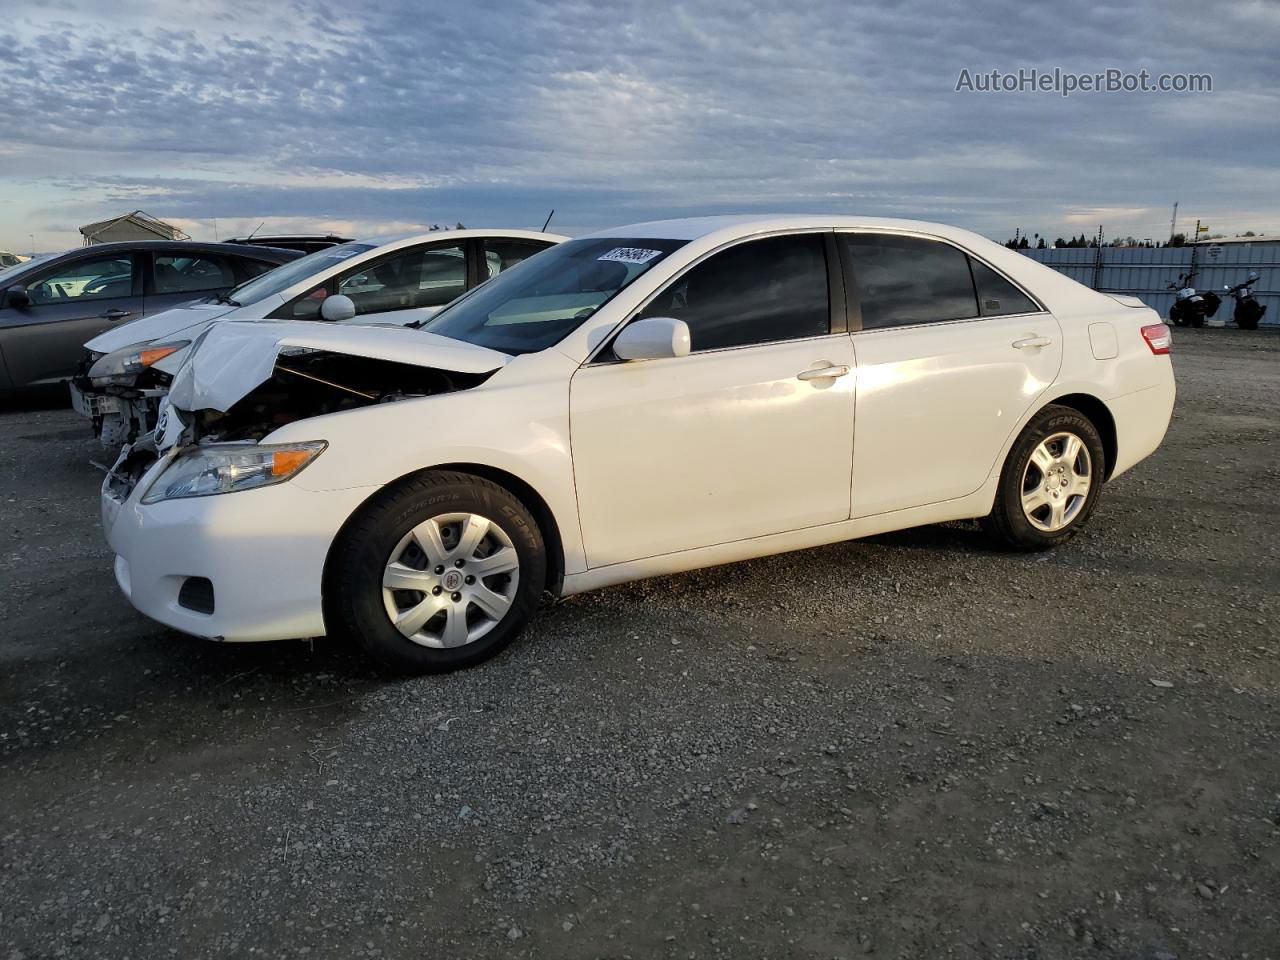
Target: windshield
[[281, 278], [542, 300], [8, 273]]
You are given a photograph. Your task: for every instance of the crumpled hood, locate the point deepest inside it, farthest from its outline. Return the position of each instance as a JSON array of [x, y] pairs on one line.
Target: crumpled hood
[[233, 357], [181, 323]]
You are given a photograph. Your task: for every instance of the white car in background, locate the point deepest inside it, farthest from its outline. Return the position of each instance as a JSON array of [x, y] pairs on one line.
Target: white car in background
[[646, 400], [395, 280]]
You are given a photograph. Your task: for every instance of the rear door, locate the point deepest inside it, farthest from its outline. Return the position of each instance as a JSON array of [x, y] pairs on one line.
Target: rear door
[[71, 302], [951, 354]]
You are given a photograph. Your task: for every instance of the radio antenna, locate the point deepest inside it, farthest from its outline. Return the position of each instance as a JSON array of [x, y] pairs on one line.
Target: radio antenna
[[548, 220]]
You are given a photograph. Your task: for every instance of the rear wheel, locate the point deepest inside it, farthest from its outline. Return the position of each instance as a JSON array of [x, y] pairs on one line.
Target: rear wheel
[[442, 572], [1050, 482]]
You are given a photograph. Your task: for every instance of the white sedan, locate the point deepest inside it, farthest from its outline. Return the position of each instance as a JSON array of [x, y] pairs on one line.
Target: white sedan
[[392, 279], [641, 401]]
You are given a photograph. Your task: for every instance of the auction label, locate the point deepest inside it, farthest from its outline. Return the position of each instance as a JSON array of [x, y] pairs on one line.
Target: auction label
[[630, 255]]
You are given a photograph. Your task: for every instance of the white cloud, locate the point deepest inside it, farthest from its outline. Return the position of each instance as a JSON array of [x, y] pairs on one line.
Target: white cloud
[[317, 113]]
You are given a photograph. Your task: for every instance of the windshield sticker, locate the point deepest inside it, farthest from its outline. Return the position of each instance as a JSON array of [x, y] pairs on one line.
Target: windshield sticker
[[630, 255]]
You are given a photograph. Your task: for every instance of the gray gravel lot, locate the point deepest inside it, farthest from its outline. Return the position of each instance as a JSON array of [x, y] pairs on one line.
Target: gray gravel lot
[[910, 746]]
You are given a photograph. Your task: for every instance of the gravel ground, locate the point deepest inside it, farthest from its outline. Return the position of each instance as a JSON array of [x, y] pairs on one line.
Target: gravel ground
[[909, 746]]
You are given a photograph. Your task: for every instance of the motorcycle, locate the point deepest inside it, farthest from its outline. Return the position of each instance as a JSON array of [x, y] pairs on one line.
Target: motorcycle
[[1248, 311], [1190, 307]]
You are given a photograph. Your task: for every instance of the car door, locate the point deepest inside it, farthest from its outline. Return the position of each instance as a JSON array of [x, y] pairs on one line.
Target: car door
[[70, 302], [951, 354], [750, 434]]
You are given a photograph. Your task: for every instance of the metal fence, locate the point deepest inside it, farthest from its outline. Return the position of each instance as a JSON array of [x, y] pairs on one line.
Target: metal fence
[[1146, 273]]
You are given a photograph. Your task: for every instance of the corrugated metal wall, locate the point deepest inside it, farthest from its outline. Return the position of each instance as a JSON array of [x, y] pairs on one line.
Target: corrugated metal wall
[[1146, 273]]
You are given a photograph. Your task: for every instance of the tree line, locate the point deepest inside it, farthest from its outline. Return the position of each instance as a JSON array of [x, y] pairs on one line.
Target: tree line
[[1020, 241]]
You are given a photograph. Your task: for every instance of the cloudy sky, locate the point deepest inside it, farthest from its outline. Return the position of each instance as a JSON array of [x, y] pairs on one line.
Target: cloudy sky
[[390, 114]]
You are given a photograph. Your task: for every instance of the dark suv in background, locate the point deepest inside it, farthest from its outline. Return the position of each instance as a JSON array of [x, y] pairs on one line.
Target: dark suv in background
[[49, 307], [304, 242]]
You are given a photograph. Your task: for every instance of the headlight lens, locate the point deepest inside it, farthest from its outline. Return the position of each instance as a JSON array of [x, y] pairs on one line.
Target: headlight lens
[[226, 468], [124, 365]]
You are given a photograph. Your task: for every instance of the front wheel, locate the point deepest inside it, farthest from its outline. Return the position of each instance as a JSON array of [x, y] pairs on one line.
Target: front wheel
[[442, 572], [1050, 483]]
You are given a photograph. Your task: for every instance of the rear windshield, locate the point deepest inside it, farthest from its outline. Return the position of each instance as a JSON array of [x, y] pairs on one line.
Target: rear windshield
[[541, 301]]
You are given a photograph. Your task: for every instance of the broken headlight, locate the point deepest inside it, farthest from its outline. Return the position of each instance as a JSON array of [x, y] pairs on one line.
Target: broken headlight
[[226, 468], [124, 365]]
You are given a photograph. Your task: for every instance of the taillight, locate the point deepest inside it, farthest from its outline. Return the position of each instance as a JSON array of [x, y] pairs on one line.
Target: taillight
[[1159, 338]]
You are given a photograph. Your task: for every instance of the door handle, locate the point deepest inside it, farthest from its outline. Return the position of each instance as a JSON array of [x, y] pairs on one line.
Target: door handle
[[828, 372], [1029, 342], [115, 314]]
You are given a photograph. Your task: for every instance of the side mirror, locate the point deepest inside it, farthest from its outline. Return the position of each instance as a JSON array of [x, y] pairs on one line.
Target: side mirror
[[653, 338], [17, 296], [337, 308]]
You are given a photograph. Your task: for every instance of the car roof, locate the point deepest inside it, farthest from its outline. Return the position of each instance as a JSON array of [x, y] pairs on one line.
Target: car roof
[[264, 239], [171, 246], [405, 239], [694, 228]]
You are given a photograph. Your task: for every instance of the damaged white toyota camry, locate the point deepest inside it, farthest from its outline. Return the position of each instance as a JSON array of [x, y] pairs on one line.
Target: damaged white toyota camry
[[646, 400]]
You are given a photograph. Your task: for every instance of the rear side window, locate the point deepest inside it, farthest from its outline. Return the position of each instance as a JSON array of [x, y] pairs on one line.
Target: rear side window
[[502, 255], [903, 281], [761, 291], [997, 297], [187, 274], [254, 268]]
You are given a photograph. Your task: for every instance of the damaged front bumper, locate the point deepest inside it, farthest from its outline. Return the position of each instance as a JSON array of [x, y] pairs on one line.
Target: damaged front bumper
[[241, 566], [118, 417], [249, 564]]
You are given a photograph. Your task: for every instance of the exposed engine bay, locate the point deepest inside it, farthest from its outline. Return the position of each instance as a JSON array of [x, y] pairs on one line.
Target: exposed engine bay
[[311, 383]]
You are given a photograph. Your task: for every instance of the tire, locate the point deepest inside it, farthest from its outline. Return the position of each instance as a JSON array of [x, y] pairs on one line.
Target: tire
[[423, 533], [1197, 320], [1039, 525]]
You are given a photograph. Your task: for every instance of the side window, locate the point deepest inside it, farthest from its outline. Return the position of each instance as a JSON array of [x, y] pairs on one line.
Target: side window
[[176, 273], [902, 281], [412, 278], [96, 279], [757, 292], [253, 268], [997, 297], [502, 255]]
